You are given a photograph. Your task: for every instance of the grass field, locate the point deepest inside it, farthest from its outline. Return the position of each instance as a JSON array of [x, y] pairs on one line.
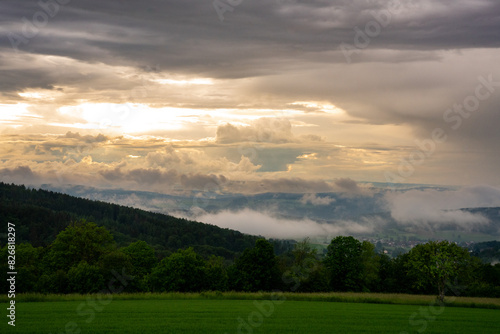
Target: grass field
[[345, 297], [195, 313]]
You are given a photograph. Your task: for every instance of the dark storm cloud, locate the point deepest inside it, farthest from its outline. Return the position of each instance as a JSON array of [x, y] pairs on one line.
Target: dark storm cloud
[[257, 38]]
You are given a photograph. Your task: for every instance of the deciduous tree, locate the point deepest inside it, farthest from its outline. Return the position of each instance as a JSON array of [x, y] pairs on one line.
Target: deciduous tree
[[81, 241], [437, 263], [256, 269], [343, 260]]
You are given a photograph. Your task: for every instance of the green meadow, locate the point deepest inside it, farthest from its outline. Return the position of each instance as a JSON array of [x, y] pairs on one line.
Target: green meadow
[[252, 313]]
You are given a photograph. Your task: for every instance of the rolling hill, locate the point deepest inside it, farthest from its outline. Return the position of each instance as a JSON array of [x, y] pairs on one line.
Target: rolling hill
[[40, 215]]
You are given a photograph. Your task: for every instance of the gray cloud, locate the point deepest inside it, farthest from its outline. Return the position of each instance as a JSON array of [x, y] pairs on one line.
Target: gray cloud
[[263, 130], [203, 182], [18, 173], [258, 223], [347, 184], [433, 208], [87, 139], [188, 37], [141, 176], [283, 185]]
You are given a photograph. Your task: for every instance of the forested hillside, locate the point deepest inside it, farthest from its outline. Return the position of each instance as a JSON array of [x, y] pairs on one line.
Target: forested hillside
[[40, 215]]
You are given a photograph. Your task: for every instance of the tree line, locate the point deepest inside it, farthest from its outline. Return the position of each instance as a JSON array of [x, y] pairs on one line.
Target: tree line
[[39, 215], [83, 257]]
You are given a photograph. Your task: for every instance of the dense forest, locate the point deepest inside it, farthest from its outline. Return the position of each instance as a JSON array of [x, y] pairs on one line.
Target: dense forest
[[40, 215], [65, 245]]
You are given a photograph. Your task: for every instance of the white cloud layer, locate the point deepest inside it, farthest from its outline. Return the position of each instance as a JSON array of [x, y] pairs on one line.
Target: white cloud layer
[[432, 207], [316, 200], [258, 223]]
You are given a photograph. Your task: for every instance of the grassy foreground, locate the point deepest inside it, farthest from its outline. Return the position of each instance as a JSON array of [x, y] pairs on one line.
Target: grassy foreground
[[343, 297], [98, 314]]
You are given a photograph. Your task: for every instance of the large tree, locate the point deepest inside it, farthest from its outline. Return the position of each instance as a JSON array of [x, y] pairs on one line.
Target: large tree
[[437, 263], [81, 241], [370, 262], [142, 256], [256, 269], [343, 260], [183, 271], [305, 273], [143, 259]]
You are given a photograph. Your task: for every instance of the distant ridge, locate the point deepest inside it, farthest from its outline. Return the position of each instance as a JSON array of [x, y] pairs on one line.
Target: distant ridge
[[40, 215]]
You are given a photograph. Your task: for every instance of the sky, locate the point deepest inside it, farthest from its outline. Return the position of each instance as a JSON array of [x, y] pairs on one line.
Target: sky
[[250, 96]]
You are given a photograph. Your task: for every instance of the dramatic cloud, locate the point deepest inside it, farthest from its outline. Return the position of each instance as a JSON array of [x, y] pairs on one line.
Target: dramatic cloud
[[319, 99]]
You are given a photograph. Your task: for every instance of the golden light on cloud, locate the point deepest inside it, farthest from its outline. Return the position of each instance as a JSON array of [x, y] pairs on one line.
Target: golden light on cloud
[[127, 117], [308, 156], [320, 106], [13, 114], [45, 95], [197, 81], [134, 118], [32, 95]]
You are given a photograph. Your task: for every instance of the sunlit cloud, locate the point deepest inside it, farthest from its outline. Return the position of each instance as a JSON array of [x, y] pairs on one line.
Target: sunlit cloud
[[15, 115], [308, 156], [33, 95], [318, 106], [200, 81]]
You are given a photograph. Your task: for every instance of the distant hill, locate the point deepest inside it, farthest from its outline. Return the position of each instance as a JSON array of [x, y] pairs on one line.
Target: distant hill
[[336, 209], [40, 215], [489, 251]]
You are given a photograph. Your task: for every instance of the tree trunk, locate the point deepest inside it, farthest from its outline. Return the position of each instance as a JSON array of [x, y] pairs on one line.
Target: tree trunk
[[441, 290]]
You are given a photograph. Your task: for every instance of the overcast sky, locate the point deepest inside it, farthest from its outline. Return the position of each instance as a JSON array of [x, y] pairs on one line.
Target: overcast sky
[[249, 96]]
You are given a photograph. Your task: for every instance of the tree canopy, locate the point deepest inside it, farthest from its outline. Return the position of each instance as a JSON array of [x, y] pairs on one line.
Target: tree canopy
[[437, 264], [81, 241], [343, 260]]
